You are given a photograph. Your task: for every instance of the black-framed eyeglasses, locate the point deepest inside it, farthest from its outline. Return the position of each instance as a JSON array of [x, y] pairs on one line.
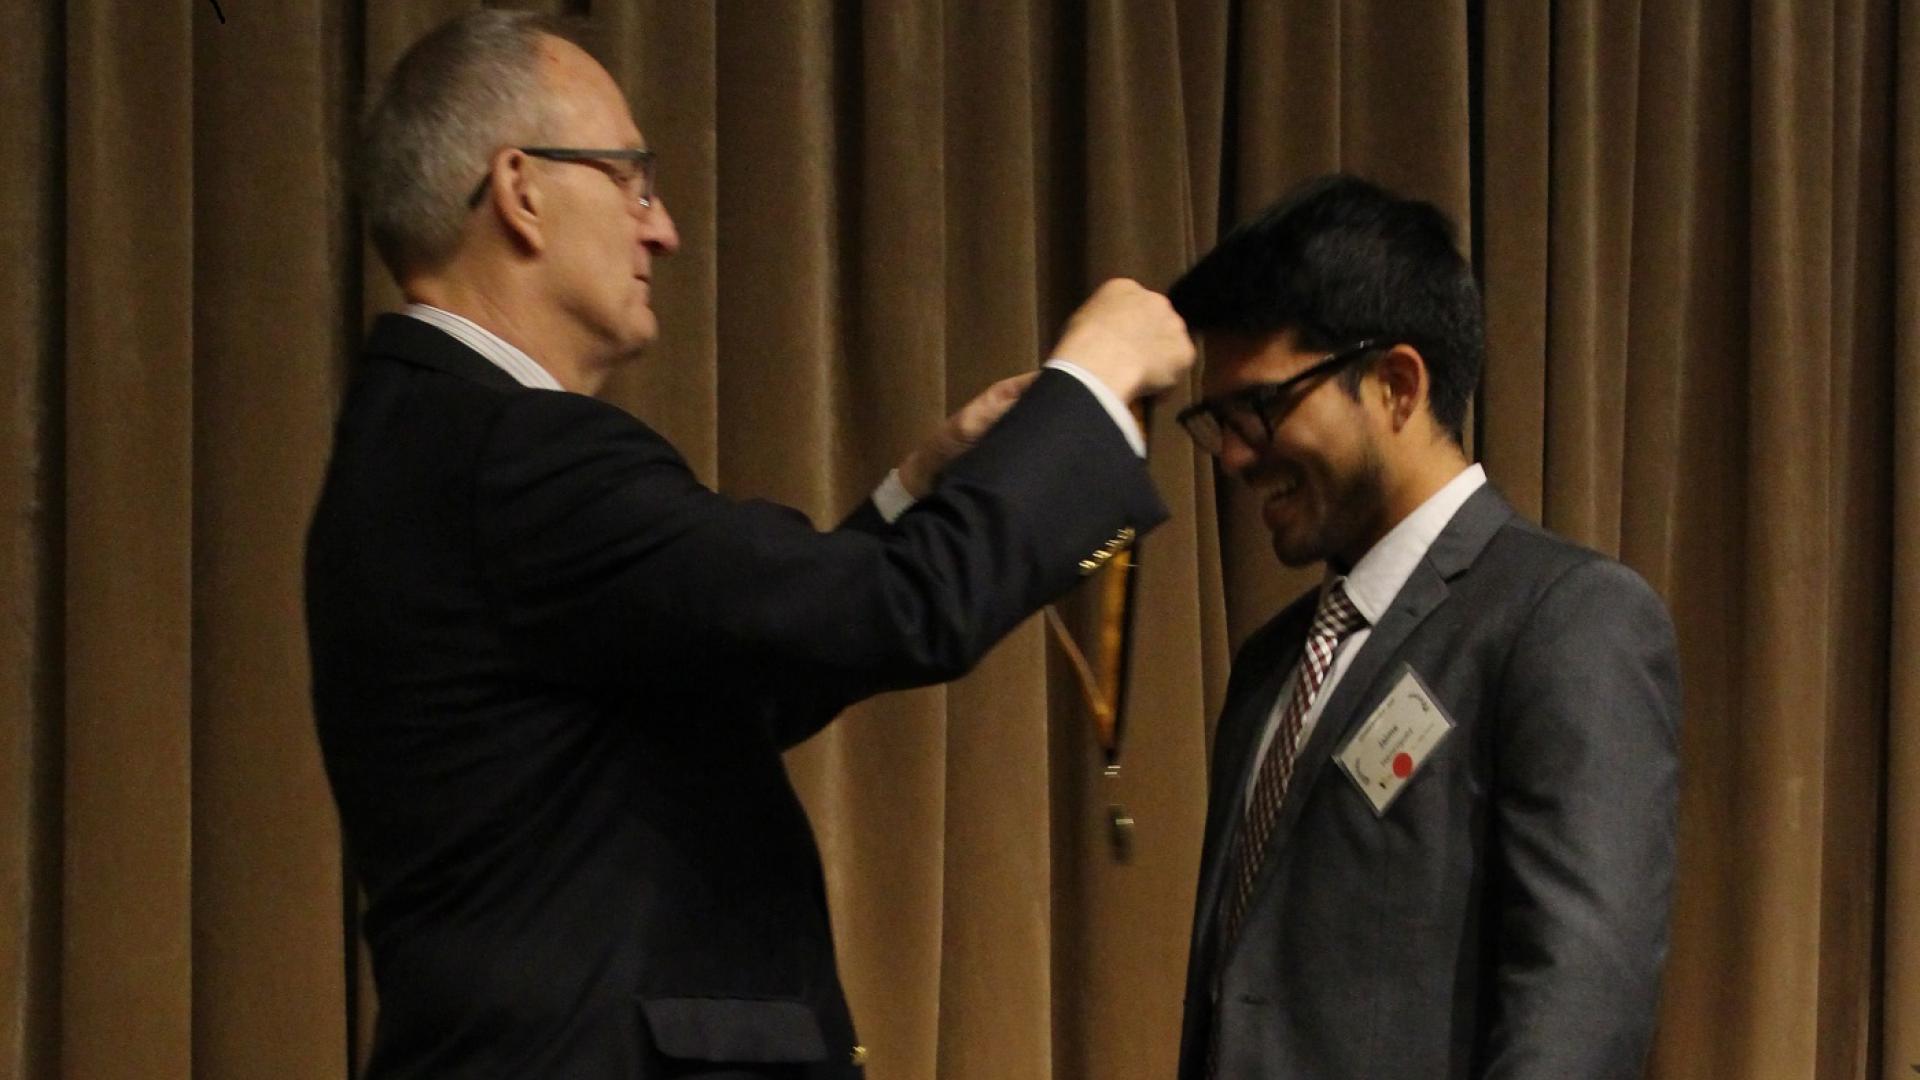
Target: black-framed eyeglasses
[[1253, 412], [631, 169]]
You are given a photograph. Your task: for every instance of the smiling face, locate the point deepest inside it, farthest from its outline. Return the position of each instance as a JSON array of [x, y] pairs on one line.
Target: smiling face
[[1323, 477], [600, 242]]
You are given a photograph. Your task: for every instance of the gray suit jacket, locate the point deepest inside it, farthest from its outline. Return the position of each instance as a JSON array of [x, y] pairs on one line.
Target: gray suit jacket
[[1507, 916]]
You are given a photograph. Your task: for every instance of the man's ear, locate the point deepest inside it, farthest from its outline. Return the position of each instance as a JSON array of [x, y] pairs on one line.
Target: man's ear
[[1401, 373], [516, 199]]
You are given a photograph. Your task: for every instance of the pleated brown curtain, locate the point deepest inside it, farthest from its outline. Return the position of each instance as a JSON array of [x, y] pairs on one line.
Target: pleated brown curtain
[[1696, 228], [157, 655], [1688, 232], [1898, 964]]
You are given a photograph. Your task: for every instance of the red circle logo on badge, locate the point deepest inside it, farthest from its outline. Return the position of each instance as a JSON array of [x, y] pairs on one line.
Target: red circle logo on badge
[[1403, 765]]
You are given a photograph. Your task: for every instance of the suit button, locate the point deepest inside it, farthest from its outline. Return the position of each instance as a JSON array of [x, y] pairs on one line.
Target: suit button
[[859, 1055]]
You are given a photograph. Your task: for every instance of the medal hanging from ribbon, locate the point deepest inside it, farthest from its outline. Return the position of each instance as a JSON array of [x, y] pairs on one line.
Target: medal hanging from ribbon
[[1101, 673]]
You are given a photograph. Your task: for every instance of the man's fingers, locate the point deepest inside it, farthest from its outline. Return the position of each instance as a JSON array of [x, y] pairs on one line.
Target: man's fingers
[[1008, 390], [973, 419], [1130, 338]]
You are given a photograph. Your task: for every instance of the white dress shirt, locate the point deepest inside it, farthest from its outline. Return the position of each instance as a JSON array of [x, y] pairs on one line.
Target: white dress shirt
[[495, 348], [1373, 583], [891, 498]]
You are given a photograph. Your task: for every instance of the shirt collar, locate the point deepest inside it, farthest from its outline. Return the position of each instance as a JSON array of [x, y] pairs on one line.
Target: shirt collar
[[1376, 579], [497, 350]]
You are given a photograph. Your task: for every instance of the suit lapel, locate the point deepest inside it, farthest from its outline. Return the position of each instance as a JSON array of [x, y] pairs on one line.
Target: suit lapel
[[1243, 721]]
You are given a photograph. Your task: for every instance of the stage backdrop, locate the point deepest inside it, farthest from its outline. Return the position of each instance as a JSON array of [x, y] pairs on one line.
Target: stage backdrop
[[1699, 228]]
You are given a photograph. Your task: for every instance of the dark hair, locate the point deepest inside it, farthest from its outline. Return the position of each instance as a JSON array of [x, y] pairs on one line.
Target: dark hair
[[1338, 260]]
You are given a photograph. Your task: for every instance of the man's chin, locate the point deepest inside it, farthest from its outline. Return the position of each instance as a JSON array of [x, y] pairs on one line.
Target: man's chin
[[1293, 529], [639, 334], [1294, 553]]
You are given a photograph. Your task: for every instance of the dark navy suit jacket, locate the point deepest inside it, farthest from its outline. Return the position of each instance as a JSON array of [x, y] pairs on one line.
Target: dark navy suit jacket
[[553, 676]]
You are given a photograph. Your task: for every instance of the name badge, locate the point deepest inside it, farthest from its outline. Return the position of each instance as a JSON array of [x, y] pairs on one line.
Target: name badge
[[1394, 742]]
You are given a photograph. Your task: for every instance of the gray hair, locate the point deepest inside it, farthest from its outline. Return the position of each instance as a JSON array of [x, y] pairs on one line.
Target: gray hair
[[458, 95]]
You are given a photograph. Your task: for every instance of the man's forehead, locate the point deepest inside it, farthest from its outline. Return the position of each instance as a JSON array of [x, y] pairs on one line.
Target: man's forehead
[[1237, 358], [585, 98]]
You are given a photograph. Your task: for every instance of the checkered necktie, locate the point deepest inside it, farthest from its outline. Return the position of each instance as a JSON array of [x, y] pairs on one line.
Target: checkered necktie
[[1335, 619]]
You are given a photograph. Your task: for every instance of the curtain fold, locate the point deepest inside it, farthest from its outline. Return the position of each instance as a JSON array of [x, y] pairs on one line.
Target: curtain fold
[[31, 528], [1898, 968], [1695, 225], [264, 855], [1120, 928], [996, 979], [126, 964]]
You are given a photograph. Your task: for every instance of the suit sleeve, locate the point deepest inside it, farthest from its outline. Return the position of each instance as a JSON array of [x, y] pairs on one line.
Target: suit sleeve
[[866, 518], [613, 566], [799, 707], [1586, 772]]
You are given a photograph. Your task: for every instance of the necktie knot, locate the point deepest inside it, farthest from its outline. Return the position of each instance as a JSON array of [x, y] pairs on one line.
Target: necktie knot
[[1336, 617]]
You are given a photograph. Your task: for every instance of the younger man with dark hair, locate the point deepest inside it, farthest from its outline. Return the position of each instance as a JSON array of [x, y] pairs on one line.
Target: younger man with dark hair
[[1440, 830]]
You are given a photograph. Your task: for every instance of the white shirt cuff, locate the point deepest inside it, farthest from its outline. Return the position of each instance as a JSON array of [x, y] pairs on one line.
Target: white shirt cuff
[[892, 498], [1122, 416]]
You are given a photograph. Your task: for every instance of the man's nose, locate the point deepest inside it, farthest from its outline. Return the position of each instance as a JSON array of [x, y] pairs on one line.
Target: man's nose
[[657, 228], [1236, 457]]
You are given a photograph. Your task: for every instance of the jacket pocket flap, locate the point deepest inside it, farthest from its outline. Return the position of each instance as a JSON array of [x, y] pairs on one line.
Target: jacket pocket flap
[[734, 1029]]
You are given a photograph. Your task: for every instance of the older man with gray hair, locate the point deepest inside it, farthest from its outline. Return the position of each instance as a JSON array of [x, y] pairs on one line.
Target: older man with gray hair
[[553, 674]]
